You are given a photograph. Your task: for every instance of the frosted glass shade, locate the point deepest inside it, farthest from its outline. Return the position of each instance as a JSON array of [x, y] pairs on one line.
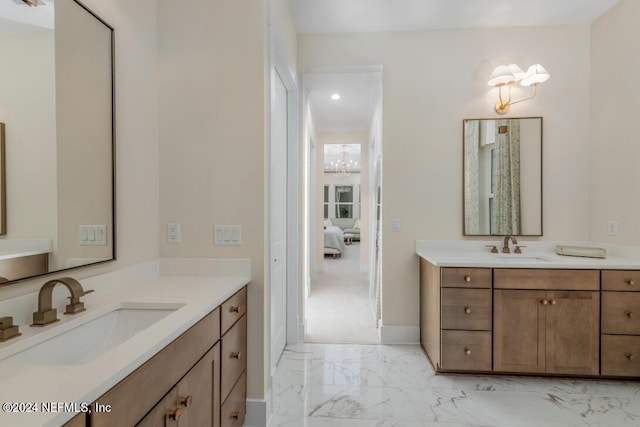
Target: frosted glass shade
[[536, 74], [500, 76]]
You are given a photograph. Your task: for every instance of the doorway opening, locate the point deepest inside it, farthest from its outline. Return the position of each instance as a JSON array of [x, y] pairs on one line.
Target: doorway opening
[[343, 116]]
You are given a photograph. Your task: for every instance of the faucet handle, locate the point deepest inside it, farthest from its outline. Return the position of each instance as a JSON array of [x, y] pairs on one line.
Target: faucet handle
[[88, 291], [8, 330], [494, 248], [518, 249]]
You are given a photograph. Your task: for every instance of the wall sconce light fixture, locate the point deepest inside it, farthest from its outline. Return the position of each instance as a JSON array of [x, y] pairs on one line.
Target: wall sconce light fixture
[[507, 75]]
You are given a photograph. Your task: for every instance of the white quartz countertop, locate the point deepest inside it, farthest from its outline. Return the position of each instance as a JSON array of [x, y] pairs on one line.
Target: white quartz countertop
[[536, 254], [84, 383]]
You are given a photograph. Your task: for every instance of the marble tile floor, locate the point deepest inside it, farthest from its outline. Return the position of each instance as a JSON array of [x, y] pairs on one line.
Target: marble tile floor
[[318, 385]]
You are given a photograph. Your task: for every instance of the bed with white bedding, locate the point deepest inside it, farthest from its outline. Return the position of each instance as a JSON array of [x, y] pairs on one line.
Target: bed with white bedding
[[333, 240]]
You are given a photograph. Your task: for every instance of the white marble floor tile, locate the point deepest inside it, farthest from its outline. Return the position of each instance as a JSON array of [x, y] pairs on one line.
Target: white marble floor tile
[[388, 386]]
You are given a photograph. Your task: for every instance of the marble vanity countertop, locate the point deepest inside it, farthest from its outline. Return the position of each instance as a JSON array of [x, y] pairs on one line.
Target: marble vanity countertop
[[84, 383], [535, 254]]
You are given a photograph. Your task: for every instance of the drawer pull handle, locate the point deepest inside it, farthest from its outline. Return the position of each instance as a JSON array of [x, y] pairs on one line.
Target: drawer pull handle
[[234, 309], [544, 302], [630, 282], [629, 314], [467, 310], [235, 415], [467, 278], [235, 355], [185, 401], [467, 352], [629, 356], [175, 414]]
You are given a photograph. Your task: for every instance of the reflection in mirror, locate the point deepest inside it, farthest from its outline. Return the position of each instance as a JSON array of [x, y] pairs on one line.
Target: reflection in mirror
[[56, 101], [502, 165]]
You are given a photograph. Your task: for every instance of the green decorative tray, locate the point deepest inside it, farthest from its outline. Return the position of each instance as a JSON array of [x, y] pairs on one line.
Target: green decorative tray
[[583, 251]]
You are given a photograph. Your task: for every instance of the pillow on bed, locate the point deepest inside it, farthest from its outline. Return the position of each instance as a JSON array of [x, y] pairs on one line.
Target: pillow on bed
[[357, 225], [327, 223]]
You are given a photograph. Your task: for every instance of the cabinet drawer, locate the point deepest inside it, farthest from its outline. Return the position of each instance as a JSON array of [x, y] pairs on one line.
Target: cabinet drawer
[[466, 309], [466, 351], [563, 280], [621, 355], [233, 309], [621, 313], [234, 356], [621, 280], [465, 278], [233, 410]]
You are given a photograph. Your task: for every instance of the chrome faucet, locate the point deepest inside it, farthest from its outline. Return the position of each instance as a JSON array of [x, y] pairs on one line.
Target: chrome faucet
[[46, 314], [505, 246]]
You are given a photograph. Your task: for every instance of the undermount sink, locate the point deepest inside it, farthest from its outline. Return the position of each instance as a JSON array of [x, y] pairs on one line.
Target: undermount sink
[[520, 257], [88, 340]]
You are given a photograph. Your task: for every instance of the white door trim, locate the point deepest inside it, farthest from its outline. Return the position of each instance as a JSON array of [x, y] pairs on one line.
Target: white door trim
[[290, 83]]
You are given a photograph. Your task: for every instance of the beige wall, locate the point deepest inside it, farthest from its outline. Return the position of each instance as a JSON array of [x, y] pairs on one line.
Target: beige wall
[[84, 142], [136, 137], [433, 80], [615, 108], [213, 86], [27, 97]]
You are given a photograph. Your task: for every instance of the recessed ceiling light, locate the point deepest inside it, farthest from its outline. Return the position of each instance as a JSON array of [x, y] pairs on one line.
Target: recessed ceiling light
[[335, 96]]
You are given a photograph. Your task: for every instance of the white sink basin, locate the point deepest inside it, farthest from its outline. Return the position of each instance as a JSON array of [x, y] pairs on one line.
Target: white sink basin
[[522, 258], [86, 340]]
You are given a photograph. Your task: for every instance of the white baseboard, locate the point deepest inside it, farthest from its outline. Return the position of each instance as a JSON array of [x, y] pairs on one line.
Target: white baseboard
[[258, 412], [399, 334]]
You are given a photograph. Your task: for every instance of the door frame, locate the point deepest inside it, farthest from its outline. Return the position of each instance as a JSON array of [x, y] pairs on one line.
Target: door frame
[[280, 66]]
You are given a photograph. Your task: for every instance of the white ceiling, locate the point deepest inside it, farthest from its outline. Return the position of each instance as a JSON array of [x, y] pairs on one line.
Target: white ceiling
[[332, 16], [360, 91]]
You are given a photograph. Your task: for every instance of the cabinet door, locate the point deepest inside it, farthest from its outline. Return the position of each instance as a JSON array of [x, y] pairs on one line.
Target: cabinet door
[[198, 392], [573, 332], [519, 331], [166, 413]]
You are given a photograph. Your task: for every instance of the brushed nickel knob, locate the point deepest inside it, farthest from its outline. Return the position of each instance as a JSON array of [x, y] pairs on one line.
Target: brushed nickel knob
[[175, 414], [234, 309], [630, 282], [185, 401], [629, 356], [467, 310], [467, 278], [235, 415], [235, 355], [629, 314], [467, 351]]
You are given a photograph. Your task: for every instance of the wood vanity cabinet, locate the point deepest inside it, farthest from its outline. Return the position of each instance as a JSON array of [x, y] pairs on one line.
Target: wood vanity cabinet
[[621, 323], [182, 385], [456, 328], [534, 321], [541, 327]]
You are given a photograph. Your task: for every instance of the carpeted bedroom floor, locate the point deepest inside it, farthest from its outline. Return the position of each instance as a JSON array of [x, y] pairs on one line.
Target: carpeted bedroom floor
[[338, 310]]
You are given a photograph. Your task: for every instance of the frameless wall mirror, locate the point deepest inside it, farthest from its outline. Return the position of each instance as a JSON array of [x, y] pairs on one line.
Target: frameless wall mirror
[[56, 104], [502, 185]]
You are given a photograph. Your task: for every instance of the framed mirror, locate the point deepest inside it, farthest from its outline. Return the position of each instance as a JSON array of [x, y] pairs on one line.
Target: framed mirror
[[502, 183], [57, 107]]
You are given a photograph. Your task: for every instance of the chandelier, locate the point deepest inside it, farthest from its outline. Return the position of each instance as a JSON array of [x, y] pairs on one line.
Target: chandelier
[[343, 167]]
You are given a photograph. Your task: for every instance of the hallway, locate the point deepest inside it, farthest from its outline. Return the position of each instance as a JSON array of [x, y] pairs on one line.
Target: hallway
[[338, 310]]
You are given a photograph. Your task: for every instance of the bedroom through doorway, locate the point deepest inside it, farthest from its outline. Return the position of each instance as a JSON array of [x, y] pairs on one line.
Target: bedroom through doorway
[[343, 125]]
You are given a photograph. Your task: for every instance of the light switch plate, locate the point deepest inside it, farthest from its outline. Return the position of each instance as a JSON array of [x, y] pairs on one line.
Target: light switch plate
[[227, 235], [93, 235]]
